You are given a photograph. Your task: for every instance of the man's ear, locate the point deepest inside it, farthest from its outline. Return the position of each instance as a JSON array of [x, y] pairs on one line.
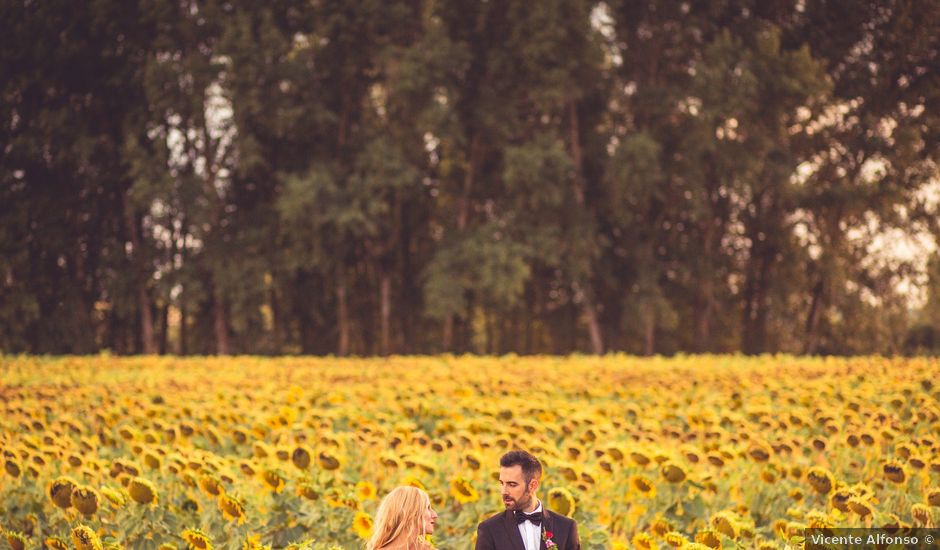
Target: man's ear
[[533, 484]]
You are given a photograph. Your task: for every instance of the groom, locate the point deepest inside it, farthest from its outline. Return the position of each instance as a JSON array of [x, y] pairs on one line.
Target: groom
[[526, 524]]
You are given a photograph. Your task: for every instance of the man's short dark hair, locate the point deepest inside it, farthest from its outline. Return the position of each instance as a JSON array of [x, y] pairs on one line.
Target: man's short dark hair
[[531, 467]]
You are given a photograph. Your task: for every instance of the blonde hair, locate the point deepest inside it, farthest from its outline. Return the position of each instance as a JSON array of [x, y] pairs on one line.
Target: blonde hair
[[400, 514]]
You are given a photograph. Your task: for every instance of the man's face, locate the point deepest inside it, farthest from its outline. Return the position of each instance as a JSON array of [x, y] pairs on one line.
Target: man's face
[[516, 494]]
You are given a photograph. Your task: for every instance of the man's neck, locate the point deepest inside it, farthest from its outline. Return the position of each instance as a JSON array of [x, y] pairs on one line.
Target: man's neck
[[533, 505]]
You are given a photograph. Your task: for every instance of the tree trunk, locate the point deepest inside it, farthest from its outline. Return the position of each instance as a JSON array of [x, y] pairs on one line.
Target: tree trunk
[[183, 348], [147, 341], [704, 316], [594, 327], [812, 320], [528, 314], [342, 313], [385, 301], [164, 326], [407, 291], [463, 216], [649, 332], [589, 309], [754, 319], [276, 317], [220, 322]]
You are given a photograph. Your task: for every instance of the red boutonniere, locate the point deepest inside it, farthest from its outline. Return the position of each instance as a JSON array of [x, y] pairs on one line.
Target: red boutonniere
[[547, 537]]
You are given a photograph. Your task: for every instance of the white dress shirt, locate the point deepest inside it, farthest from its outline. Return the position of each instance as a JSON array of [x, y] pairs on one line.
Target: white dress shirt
[[532, 533]]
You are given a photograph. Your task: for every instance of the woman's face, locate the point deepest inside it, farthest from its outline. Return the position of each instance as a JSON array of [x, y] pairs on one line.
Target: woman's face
[[430, 518]]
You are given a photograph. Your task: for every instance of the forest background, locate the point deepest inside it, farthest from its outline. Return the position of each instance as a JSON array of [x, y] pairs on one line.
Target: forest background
[[501, 176]]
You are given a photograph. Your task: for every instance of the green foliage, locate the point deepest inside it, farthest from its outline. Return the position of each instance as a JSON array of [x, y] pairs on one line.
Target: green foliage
[[484, 262], [214, 177]]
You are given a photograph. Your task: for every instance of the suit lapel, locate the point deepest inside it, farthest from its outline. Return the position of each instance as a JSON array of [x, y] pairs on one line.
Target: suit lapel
[[512, 531], [546, 526]]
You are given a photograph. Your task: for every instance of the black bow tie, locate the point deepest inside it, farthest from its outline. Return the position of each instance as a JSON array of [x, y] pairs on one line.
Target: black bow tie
[[534, 517]]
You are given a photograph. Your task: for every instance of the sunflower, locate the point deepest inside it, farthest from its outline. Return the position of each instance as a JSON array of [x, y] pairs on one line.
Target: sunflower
[[253, 542], [301, 458], [840, 499], [232, 509], [246, 468], [390, 461], [307, 491], [55, 543], [709, 538], [196, 539], [366, 491], [818, 520], [615, 453], [16, 540], [725, 523], [414, 482], [328, 461], [768, 475], [759, 452], [933, 497], [142, 491], [239, 436], [561, 500], [569, 473], [643, 541], [116, 497], [85, 500], [672, 472], [715, 460], [260, 450], [860, 506], [894, 472], [274, 480], [675, 539], [84, 538], [639, 458], [60, 492], [152, 461], [12, 466], [643, 485], [660, 527], [335, 499], [472, 461], [820, 479], [463, 491], [211, 486], [362, 525], [921, 515]]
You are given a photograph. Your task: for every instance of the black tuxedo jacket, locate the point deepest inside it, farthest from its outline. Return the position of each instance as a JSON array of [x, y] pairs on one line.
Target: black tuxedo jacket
[[501, 532]]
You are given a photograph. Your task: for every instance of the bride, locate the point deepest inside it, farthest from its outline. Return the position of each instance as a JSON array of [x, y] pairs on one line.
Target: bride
[[403, 520]]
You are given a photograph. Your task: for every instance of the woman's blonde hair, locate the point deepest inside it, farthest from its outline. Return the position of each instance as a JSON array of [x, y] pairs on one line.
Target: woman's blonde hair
[[401, 514]]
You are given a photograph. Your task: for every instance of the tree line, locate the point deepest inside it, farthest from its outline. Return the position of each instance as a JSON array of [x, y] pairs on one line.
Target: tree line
[[497, 176]]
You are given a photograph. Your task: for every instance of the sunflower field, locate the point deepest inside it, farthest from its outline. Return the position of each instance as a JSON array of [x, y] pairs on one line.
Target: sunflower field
[[248, 452]]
